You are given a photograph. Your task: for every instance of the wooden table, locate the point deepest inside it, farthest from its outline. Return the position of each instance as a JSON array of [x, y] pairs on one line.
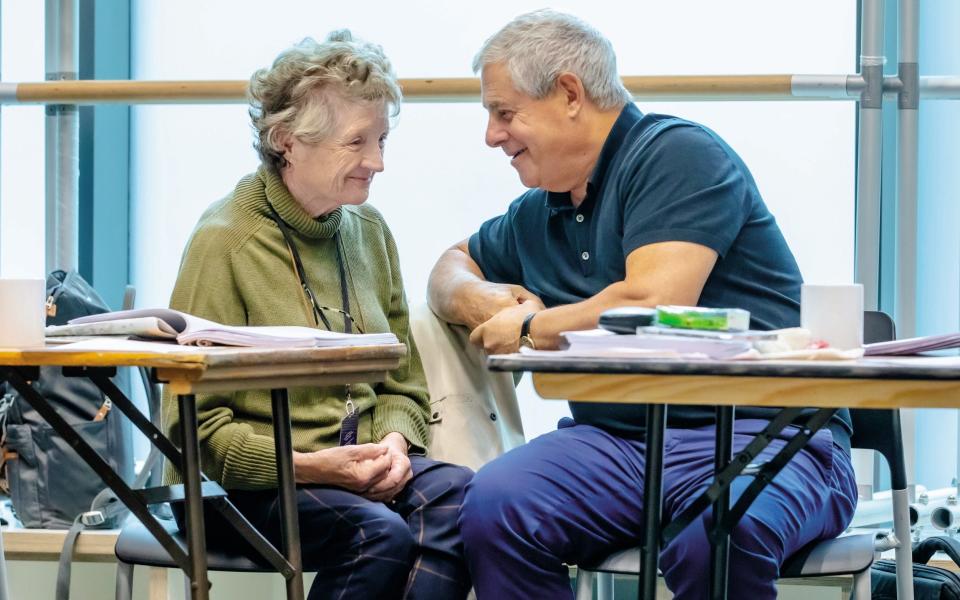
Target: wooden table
[[187, 371], [881, 382]]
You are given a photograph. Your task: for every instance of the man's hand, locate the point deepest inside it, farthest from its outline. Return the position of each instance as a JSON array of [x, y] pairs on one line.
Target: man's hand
[[459, 293], [484, 300], [353, 468], [501, 333], [399, 473]]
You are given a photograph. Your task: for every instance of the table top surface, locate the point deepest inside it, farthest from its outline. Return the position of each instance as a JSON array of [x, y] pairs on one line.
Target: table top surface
[[190, 369], [166, 355], [877, 367]]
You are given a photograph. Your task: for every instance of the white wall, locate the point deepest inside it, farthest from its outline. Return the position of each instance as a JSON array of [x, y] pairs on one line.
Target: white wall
[[21, 145], [185, 157]]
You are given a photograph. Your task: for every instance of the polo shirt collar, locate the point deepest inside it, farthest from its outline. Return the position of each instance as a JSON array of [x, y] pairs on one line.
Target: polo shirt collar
[[627, 119]]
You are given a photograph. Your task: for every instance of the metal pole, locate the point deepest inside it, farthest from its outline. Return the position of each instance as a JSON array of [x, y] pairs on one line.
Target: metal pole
[[4, 593], [869, 153], [908, 104], [908, 123], [826, 87], [940, 88], [62, 138], [652, 501], [720, 548], [193, 505], [290, 526]]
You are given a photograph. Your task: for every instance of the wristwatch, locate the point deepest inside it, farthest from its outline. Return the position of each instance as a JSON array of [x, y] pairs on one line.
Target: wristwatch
[[525, 338]]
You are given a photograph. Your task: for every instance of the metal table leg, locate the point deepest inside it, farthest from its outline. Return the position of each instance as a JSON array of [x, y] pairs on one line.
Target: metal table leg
[[652, 501], [193, 502], [288, 491], [720, 548]]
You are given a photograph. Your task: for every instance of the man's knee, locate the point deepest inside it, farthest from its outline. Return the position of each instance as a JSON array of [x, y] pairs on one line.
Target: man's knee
[[491, 497], [754, 560]]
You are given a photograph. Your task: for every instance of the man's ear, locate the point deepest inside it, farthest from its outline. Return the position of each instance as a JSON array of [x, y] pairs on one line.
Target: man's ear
[[571, 89]]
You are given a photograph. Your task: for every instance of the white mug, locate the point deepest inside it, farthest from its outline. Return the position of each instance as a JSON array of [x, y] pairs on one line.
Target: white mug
[[22, 312], [833, 314]]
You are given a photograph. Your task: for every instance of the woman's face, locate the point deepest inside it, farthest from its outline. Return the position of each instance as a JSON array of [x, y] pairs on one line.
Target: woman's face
[[338, 170]]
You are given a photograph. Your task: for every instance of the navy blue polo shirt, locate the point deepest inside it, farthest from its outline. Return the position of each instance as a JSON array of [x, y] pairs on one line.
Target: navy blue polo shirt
[[658, 179]]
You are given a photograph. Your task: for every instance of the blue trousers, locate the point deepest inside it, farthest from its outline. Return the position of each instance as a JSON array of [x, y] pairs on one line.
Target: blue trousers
[[575, 495], [410, 548]]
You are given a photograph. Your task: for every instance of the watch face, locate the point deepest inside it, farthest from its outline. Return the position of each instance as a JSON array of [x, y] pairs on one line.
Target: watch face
[[527, 342]]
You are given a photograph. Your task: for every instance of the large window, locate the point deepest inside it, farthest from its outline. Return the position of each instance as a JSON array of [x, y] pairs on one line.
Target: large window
[[185, 157]]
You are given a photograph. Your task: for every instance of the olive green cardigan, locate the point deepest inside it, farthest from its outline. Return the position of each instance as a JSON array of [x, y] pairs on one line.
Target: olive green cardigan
[[237, 270]]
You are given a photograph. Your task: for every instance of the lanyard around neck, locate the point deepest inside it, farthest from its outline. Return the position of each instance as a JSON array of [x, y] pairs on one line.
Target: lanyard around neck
[[302, 275]]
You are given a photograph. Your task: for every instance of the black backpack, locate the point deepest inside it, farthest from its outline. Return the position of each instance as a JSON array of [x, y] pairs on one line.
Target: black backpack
[[49, 483], [929, 583]]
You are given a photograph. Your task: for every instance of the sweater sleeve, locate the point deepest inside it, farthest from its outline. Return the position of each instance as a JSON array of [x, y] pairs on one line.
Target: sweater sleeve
[[230, 451], [403, 404]]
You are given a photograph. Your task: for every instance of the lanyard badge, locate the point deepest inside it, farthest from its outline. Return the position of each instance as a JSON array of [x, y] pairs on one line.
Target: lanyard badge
[[348, 426]]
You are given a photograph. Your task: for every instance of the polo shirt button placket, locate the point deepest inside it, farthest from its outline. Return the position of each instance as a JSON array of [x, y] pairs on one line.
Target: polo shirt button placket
[[579, 218], [585, 256]]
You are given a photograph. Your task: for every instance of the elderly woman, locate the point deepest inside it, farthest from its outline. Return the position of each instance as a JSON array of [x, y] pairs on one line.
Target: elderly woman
[[294, 244]]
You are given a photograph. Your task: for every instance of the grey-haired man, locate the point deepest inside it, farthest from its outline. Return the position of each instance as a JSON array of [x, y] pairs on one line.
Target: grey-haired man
[[625, 209]]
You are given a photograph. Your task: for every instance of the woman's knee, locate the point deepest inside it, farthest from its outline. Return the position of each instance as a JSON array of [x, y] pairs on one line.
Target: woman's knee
[[386, 533]]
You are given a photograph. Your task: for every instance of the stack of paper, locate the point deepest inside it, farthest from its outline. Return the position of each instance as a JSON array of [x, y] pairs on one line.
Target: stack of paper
[[602, 342], [913, 345], [165, 323]]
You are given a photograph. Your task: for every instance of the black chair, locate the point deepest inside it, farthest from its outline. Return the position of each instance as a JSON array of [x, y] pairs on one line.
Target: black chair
[[877, 430], [137, 546]]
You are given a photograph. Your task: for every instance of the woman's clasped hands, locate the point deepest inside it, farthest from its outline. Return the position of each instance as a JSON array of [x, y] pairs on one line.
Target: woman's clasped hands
[[377, 472]]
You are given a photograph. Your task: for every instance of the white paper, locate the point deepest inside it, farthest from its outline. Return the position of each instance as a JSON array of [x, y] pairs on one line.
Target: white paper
[[165, 323], [600, 340]]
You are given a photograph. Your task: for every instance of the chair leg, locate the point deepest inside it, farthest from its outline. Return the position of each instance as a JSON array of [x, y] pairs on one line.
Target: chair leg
[[904, 553], [584, 584], [157, 588], [604, 586], [861, 585], [124, 588]]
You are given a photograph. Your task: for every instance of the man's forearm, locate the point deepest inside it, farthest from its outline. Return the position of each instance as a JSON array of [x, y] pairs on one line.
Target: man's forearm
[[448, 289]]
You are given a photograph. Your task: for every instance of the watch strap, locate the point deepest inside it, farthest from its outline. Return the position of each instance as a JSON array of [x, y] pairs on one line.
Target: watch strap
[[525, 326]]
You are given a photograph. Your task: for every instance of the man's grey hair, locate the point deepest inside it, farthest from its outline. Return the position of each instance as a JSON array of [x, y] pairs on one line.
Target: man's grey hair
[[537, 47]]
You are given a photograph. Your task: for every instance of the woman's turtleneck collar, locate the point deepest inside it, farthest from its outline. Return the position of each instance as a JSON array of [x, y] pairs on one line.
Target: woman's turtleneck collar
[[292, 213]]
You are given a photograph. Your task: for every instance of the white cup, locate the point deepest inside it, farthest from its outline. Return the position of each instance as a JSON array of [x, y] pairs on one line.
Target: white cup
[[833, 314], [22, 312]]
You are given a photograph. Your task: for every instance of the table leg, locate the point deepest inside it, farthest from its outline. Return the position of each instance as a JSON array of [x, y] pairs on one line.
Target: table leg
[[4, 593], [288, 491], [193, 502], [720, 548], [652, 501]]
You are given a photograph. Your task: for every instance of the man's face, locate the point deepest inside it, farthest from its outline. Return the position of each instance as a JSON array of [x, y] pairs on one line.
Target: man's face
[[535, 134]]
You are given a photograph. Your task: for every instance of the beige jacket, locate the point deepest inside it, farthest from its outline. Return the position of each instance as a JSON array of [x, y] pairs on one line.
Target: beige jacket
[[474, 415]]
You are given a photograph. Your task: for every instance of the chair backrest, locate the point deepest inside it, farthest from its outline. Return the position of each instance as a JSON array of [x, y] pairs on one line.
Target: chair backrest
[[874, 429]]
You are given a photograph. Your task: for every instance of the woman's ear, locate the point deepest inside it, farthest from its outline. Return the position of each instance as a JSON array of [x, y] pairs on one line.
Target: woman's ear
[[284, 142]]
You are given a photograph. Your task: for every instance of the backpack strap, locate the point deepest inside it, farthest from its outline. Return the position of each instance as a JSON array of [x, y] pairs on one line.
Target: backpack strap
[[66, 558], [104, 509], [923, 551]]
